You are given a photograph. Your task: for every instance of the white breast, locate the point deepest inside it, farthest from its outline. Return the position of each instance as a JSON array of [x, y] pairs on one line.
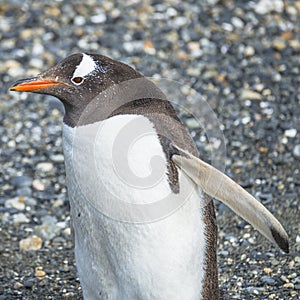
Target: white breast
[[134, 238]]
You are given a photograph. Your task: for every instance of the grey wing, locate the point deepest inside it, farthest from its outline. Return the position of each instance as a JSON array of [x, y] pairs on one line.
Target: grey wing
[[218, 185]]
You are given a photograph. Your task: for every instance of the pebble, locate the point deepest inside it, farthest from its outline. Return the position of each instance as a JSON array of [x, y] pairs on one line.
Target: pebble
[[250, 95], [192, 123], [58, 158], [98, 19], [291, 133], [18, 285], [67, 231], [21, 181], [44, 167], [267, 270], [279, 44], [39, 272], [38, 185], [288, 285], [29, 283], [267, 6], [31, 202], [17, 203], [48, 229], [58, 203], [249, 51], [20, 218], [24, 192], [31, 243], [284, 278], [268, 280]]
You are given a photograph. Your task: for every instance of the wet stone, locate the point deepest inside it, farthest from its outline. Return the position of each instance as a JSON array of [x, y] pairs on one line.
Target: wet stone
[[21, 181]]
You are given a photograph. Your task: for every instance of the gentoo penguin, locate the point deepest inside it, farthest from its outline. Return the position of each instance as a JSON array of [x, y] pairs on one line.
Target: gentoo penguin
[[143, 219]]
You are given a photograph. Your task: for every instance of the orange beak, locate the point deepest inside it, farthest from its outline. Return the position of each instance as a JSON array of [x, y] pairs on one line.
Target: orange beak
[[32, 84]]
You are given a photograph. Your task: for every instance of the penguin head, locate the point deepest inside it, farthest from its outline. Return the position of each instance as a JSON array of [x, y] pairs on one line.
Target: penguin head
[[78, 79]]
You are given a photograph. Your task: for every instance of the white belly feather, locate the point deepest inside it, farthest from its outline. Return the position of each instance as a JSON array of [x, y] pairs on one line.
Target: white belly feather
[[134, 238]]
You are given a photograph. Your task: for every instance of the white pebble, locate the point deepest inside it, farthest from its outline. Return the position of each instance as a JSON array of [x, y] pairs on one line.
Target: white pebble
[[20, 218], [100, 18], [17, 203], [291, 133], [31, 243], [249, 51], [57, 158], [296, 151], [38, 185], [267, 6], [44, 167], [237, 22], [79, 20]]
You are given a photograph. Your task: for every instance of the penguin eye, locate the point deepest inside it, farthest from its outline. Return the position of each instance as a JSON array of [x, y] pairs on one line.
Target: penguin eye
[[77, 80]]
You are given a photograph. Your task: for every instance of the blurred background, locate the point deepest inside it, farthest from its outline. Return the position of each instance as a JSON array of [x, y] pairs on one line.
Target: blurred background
[[242, 57]]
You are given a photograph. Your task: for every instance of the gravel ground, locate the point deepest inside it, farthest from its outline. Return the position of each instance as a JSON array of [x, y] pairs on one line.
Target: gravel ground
[[241, 56]]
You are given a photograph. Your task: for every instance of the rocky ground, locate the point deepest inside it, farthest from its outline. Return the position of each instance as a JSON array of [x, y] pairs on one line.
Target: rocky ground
[[242, 57]]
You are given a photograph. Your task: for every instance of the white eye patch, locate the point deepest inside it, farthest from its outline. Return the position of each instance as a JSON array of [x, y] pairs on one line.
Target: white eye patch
[[86, 66]]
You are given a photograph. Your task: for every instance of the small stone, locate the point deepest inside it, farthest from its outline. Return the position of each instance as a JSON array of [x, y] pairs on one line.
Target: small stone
[[17, 203], [279, 44], [291, 264], [30, 202], [291, 10], [24, 192], [291, 133], [250, 95], [28, 283], [280, 186], [67, 231], [36, 63], [263, 150], [249, 51], [79, 20], [133, 46], [13, 68], [268, 280], [31, 243], [39, 273], [26, 33], [38, 185], [284, 278], [100, 18], [48, 229], [149, 47], [18, 285], [192, 46], [20, 218], [267, 6], [192, 123], [44, 167], [288, 285], [268, 270], [246, 120], [57, 203], [237, 22], [286, 35], [295, 44], [59, 158], [21, 181]]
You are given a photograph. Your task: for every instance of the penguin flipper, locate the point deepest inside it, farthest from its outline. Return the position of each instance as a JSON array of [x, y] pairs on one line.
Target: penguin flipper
[[218, 185]]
